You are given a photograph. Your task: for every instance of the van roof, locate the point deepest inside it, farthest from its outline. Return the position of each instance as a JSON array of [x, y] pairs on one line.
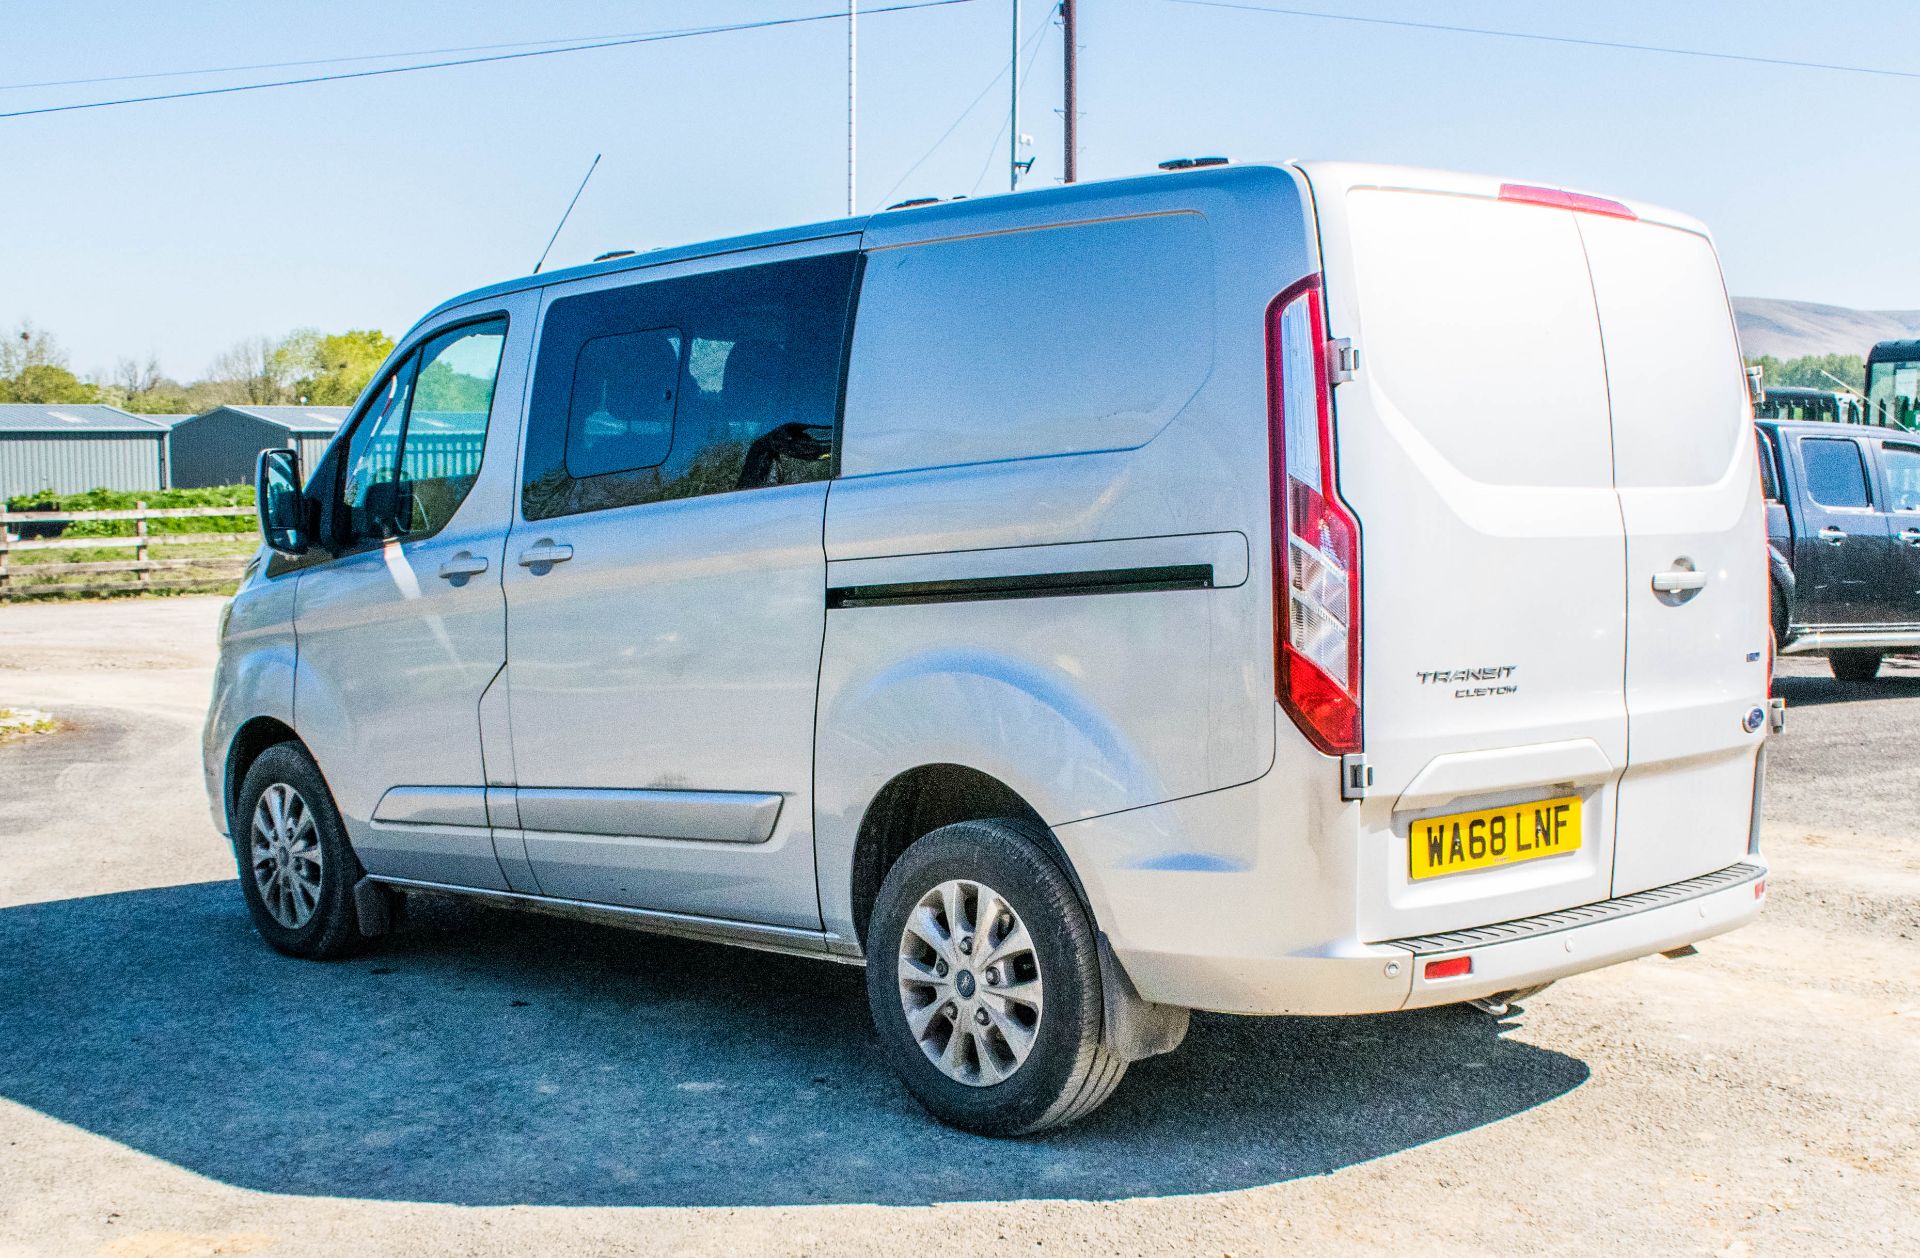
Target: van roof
[[1342, 176], [1324, 176]]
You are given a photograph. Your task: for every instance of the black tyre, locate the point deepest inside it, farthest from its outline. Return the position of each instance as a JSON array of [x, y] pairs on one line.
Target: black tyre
[[297, 870], [983, 974], [1855, 665]]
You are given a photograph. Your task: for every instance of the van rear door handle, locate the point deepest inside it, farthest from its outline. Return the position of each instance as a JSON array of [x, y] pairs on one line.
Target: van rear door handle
[[1679, 581], [1833, 536], [545, 553], [1910, 536], [465, 564]]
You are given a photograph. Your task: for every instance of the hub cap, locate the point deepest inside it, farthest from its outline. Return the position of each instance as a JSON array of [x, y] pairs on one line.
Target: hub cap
[[970, 982], [285, 851]]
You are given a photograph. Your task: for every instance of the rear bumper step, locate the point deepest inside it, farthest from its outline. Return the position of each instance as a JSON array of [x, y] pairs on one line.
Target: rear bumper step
[[1586, 915]]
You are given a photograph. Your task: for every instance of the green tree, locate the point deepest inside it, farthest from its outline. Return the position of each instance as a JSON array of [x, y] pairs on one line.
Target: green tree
[[44, 382], [1814, 371], [33, 368], [336, 368]]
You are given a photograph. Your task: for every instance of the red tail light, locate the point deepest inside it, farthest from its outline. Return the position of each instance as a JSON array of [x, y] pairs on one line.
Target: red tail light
[[1316, 540], [1560, 198]]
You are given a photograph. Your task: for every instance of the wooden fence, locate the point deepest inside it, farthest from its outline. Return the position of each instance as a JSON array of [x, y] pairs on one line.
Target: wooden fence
[[138, 574]]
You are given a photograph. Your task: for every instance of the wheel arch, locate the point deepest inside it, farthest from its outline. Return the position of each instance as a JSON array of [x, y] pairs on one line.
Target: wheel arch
[[249, 742], [922, 799]]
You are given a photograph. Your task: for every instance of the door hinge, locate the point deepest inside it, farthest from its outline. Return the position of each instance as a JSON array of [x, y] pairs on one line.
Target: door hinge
[[1342, 360], [1356, 776], [1776, 716]]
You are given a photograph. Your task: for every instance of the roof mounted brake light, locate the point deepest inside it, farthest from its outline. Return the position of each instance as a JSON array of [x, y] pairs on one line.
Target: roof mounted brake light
[[1560, 198]]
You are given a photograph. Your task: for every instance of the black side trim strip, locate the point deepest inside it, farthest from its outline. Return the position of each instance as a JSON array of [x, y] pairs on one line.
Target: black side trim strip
[[1192, 576]]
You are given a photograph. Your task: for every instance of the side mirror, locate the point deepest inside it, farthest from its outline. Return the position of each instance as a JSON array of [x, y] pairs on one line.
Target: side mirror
[[277, 498], [1756, 392]]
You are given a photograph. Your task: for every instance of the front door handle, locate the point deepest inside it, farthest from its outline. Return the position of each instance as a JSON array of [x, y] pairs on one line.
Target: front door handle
[[1679, 581], [1833, 536], [545, 553], [463, 565]]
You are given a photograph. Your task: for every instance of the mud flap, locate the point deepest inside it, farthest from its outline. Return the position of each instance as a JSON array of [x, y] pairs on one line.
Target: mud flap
[[1134, 1028], [373, 906]]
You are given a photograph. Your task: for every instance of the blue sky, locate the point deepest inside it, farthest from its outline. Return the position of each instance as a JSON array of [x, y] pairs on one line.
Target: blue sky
[[180, 227]]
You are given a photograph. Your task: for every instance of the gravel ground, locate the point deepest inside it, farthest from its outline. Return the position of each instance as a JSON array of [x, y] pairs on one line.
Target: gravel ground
[[498, 1084]]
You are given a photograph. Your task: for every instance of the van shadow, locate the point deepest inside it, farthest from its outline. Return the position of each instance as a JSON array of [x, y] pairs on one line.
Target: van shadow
[[493, 1058]]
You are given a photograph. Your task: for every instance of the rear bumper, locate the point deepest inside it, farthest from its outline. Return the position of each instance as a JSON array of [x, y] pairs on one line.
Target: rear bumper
[[1245, 900], [1540, 949], [1357, 978]]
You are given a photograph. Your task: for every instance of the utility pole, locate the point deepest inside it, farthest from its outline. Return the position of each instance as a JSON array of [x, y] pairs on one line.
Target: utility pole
[[853, 32], [1072, 115], [1013, 105]]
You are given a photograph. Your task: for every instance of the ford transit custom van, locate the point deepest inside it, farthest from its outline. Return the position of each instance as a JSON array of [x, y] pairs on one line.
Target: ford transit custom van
[[1267, 589]]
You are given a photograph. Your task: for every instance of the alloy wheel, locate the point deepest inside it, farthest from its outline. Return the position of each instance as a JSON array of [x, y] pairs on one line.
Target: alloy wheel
[[970, 982], [286, 856]]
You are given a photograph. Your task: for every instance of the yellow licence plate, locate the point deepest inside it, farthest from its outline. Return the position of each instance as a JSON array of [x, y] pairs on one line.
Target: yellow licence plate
[[1493, 836]]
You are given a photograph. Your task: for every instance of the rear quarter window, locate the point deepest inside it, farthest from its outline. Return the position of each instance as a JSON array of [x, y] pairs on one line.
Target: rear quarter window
[[1057, 340]]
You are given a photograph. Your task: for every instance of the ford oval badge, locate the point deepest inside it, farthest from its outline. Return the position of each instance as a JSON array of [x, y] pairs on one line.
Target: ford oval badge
[[1756, 717]]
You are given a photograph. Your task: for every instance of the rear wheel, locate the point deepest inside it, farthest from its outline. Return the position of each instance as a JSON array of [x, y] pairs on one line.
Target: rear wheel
[[1855, 665], [297, 870], [983, 976]]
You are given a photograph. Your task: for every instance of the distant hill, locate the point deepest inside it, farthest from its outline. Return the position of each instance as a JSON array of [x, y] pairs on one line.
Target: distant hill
[[1793, 329]]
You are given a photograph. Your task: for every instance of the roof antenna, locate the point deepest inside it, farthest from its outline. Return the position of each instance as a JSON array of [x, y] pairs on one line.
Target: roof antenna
[[564, 217]]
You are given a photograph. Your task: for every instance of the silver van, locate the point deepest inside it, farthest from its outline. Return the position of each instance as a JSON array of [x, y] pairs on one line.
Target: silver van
[[1266, 589]]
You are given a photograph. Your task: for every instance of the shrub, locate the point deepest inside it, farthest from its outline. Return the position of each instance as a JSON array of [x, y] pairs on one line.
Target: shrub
[[124, 500]]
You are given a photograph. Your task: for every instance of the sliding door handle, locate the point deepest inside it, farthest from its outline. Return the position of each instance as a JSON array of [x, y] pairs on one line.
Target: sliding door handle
[[1910, 536], [545, 553], [1833, 536]]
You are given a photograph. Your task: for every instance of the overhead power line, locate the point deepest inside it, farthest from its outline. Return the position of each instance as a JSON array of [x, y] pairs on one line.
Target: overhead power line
[[1620, 45], [329, 61], [1038, 34], [1007, 122], [624, 41]]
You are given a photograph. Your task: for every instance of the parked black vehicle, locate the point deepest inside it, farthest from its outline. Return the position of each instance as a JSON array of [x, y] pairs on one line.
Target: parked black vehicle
[[1843, 525]]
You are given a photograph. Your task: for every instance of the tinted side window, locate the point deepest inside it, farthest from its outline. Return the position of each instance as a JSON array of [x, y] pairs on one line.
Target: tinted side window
[[1903, 476], [675, 388], [620, 416], [1836, 476]]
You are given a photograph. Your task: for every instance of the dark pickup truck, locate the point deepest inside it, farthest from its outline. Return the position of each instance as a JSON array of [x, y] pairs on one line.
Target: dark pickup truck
[[1843, 526]]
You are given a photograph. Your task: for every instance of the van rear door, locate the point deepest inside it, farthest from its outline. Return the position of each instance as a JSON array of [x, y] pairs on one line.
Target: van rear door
[[1475, 449], [1696, 581]]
